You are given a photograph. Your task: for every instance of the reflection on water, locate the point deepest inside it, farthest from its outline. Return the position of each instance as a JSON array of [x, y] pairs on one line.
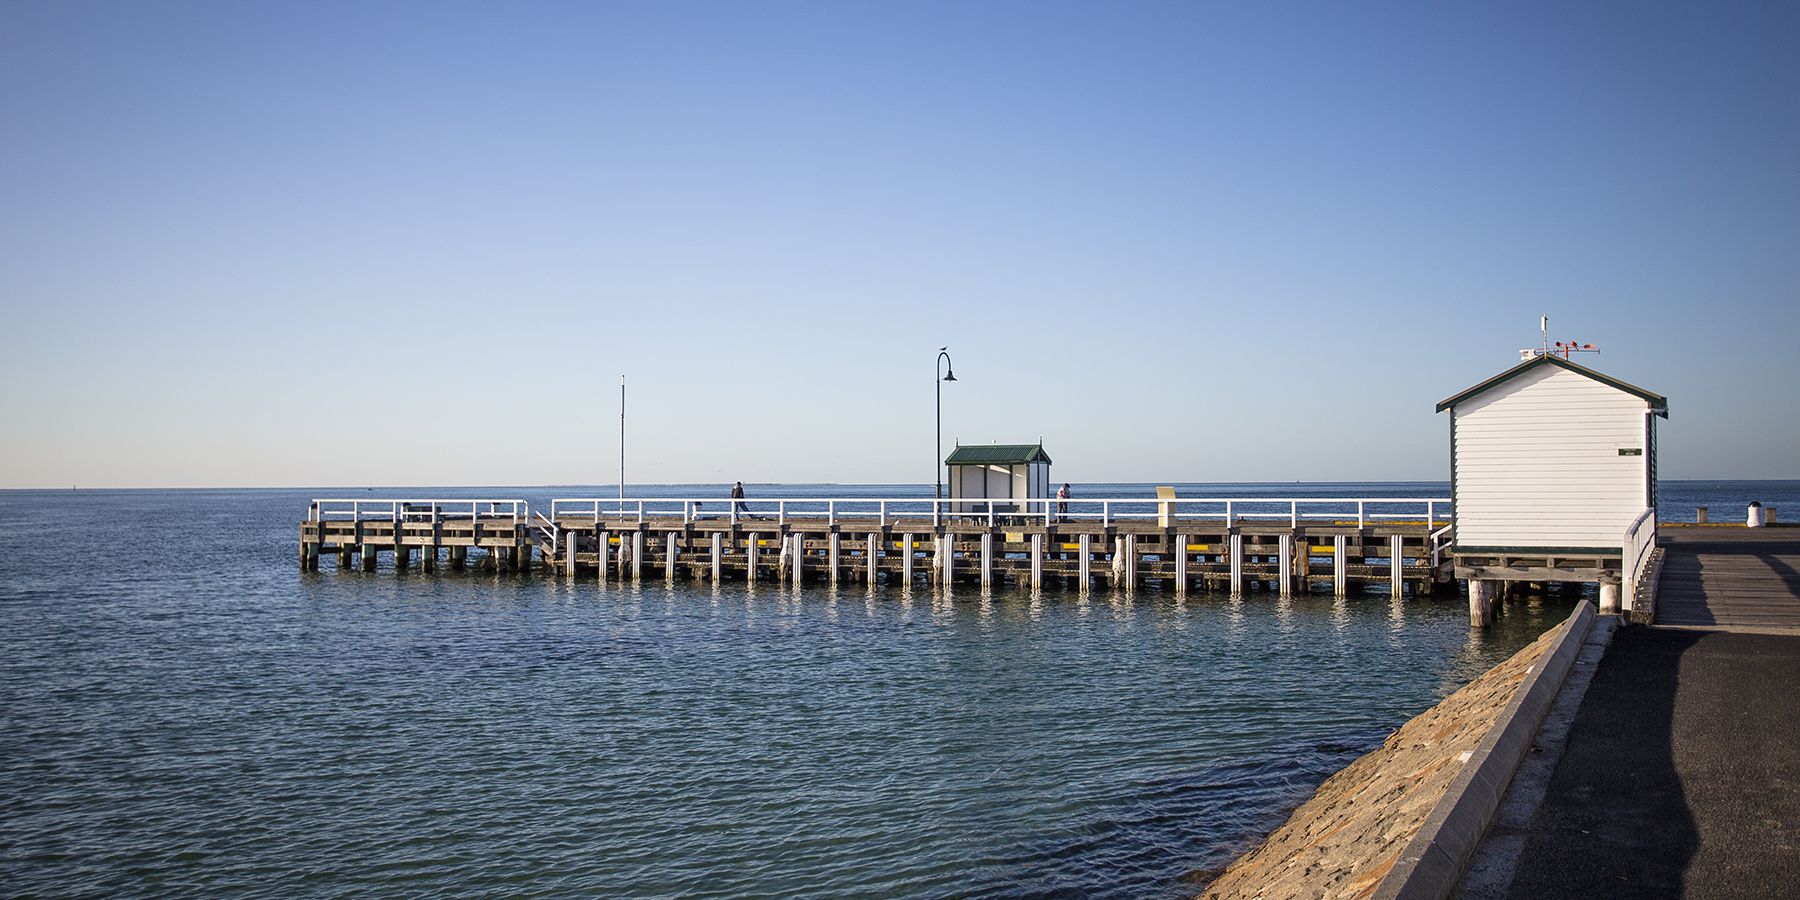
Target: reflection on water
[[190, 716]]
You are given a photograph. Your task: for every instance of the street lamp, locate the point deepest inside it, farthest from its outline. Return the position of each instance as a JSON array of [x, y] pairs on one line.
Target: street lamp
[[937, 465]]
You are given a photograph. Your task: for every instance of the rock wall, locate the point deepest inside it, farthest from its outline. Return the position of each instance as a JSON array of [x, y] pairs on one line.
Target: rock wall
[[1343, 841]]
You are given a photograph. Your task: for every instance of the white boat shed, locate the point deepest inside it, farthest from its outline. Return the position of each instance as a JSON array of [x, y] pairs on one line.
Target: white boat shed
[[1010, 472], [1553, 477]]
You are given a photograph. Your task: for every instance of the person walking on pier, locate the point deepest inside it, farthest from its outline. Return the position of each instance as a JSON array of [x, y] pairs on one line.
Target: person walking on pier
[[737, 495], [1062, 498]]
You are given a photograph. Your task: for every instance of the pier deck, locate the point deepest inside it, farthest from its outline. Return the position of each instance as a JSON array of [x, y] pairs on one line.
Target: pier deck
[[1730, 578], [1126, 542]]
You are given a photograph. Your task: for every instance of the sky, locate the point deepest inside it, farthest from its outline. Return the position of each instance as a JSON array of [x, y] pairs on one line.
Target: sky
[[420, 244]]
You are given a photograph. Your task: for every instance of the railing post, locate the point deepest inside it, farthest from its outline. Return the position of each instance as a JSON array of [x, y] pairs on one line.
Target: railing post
[[1359, 513], [831, 515], [883, 514], [1293, 514], [1105, 513], [1228, 514], [935, 523]]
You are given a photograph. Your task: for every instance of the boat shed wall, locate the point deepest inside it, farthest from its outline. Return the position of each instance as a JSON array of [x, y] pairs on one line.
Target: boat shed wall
[[1550, 459]]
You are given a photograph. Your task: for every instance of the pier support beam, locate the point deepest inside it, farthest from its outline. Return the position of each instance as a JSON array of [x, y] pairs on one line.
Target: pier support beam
[[1340, 567], [1482, 593], [637, 556], [569, 544], [1181, 563], [1285, 576], [717, 558], [750, 549], [1037, 562], [369, 555], [602, 549], [832, 552], [1131, 561], [1237, 562], [872, 550], [987, 558], [798, 557], [906, 559], [946, 552], [672, 545], [459, 558], [1396, 564], [1087, 561]]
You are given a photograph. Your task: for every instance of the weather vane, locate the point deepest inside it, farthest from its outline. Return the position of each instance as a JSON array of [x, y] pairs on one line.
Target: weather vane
[[1557, 348]]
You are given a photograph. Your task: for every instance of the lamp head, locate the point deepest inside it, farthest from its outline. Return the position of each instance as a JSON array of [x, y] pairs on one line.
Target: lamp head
[[949, 375]]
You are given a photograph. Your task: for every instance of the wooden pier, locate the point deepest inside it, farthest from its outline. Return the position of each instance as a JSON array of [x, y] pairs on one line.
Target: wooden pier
[[1226, 544]]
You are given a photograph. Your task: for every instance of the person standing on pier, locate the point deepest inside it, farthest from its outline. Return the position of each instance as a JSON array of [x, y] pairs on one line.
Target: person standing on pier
[[1062, 498], [737, 495]]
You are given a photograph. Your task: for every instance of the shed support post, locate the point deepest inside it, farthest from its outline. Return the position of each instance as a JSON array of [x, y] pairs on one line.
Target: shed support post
[[1237, 562], [1340, 566], [1481, 602], [1396, 564], [1609, 598]]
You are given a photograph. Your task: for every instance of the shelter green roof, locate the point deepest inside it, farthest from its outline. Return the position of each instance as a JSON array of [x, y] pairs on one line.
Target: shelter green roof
[[997, 455], [1658, 403]]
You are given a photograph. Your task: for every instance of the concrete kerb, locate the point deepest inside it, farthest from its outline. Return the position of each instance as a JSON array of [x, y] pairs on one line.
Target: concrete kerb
[[1431, 864]]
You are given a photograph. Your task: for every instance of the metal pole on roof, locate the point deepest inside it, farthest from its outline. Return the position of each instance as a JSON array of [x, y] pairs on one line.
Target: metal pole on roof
[[937, 465], [621, 448]]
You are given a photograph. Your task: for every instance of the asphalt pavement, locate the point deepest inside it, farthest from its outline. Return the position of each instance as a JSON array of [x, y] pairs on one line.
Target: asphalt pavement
[[1680, 777]]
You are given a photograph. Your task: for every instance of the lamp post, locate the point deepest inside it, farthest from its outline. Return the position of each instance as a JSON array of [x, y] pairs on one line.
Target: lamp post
[[937, 466]]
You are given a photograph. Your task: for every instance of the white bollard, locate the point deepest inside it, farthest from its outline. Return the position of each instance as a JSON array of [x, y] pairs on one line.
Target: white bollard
[[1756, 518]]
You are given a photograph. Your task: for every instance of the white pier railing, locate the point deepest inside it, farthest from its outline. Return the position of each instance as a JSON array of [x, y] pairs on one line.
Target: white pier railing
[[386, 510], [1427, 511]]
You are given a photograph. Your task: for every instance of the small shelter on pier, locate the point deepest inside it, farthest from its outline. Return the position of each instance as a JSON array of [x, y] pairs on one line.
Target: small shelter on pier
[[1553, 476], [1010, 472]]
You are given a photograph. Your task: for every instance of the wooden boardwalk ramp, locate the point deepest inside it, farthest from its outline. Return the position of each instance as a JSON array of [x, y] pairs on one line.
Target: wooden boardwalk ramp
[[1727, 578]]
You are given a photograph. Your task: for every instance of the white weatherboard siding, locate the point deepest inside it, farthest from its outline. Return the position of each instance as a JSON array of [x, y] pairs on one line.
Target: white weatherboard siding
[[1538, 464]]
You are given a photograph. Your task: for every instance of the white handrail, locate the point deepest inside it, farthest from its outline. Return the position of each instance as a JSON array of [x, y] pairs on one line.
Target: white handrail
[[1635, 547]]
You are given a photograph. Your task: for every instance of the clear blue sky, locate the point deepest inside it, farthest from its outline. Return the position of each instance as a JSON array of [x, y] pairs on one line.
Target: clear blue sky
[[378, 243]]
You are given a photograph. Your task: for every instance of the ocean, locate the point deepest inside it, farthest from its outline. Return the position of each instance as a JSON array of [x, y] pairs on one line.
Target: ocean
[[186, 714]]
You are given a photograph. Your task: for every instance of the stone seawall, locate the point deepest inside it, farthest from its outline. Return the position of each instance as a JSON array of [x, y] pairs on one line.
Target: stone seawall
[[1343, 841]]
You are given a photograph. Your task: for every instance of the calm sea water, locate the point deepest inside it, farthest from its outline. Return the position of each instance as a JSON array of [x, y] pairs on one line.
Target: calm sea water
[[185, 714]]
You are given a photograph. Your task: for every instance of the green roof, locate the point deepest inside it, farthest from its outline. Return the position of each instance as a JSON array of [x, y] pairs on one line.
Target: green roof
[[1658, 403], [997, 455]]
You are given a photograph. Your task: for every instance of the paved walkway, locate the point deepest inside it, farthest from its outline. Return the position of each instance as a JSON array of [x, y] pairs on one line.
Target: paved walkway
[[1681, 774]]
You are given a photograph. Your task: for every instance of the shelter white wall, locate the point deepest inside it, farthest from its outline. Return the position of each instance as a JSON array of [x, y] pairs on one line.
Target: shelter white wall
[[1538, 464]]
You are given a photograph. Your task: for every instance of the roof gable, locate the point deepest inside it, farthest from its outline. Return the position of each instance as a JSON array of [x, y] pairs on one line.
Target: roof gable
[[1658, 403], [997, 455]]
